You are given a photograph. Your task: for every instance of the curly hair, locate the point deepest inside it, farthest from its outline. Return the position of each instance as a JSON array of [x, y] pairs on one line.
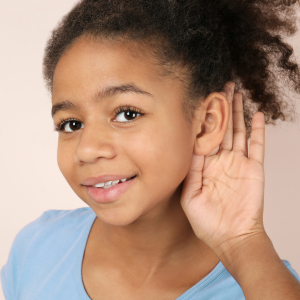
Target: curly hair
[[214, 41]]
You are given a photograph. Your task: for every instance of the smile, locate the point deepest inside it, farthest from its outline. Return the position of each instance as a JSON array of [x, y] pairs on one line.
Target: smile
[[108, 184], [109, 191]]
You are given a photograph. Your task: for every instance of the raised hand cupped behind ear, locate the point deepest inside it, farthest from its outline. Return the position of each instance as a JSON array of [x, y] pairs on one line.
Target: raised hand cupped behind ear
[[223, 192]]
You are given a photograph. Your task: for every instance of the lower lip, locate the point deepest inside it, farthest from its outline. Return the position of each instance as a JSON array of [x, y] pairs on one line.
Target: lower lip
[[111, 194]]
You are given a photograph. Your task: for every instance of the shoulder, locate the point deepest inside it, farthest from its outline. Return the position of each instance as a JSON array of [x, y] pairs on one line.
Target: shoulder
[[53, 216], [54, 231], [288, 265], [51, 223], [58, 218], [219, 284], [48, 222]]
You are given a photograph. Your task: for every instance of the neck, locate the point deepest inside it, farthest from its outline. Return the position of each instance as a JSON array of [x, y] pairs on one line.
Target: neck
[[161, 236]]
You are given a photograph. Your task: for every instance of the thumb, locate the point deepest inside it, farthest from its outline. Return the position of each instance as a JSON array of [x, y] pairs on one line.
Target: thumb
[[193, 181]]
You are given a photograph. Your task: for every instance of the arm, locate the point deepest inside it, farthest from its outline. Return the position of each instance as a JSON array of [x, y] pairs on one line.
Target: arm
[[223, 196], [255, 265]]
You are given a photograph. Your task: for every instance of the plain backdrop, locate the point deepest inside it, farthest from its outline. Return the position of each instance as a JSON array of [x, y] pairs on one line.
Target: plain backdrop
[[30, 180]]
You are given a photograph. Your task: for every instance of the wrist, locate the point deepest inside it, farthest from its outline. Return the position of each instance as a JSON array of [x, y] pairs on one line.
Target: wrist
[[257, 268], [236, 254], [232, 246]]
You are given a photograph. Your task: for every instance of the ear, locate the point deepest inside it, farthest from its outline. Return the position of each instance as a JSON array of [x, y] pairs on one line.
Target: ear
[[213, 118]]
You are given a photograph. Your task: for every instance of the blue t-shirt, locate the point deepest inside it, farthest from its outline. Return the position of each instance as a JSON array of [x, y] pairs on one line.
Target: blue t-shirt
[[46, 257]]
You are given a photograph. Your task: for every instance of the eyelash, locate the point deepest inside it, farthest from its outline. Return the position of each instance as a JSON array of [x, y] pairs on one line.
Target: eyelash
[[120, 109], [61, 124], [127, 108]]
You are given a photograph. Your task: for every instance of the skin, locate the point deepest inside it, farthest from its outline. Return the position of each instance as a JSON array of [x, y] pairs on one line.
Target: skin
[[171, 228]]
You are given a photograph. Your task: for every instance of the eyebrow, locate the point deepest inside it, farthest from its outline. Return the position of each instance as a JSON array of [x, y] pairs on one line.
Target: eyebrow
[[108, 91]]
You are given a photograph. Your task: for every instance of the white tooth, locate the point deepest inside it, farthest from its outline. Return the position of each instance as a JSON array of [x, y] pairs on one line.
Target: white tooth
[[99, 185], [107, 183], [123, 179], [115, 182]]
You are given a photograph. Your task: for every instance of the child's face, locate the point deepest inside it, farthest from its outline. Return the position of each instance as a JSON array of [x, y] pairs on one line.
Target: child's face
[[157, 146]]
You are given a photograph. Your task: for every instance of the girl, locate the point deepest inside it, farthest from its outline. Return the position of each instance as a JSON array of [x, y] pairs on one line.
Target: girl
[[153, 138]]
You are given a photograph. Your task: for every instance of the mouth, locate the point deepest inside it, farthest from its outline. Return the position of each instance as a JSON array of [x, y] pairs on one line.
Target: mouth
[[109, 192], [109, 184]]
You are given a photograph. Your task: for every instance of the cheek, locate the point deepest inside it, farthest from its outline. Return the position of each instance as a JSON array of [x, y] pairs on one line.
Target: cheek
[[65, 159], [163, 155]]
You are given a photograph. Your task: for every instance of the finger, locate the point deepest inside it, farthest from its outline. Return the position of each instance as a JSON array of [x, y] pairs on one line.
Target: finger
[[239, 127], [257, 140], [193, 181], [228, 92]]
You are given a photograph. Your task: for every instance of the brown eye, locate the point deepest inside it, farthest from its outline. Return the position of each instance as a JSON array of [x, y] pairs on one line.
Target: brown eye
[[71, 126], [130, 115], [126, 115]]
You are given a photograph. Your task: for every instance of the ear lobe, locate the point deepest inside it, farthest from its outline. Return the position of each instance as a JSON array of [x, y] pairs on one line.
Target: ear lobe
[[213, 125]]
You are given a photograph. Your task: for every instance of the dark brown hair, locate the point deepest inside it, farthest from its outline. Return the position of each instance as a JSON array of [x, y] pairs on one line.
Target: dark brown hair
[[214, 40]]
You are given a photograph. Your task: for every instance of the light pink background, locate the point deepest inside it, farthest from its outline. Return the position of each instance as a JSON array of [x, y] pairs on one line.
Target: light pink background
[[30, 180]]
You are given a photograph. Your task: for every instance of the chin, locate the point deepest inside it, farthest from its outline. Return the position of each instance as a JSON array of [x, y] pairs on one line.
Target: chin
[[116, 217]]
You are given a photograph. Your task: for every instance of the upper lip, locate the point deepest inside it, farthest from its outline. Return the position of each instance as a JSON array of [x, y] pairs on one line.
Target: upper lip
[[104, 178]]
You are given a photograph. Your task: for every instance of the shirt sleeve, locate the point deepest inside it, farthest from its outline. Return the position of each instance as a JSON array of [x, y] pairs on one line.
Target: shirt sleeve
[[11, 271]]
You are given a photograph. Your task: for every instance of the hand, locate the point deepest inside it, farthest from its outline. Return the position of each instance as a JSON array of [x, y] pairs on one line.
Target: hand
[[223, 192]]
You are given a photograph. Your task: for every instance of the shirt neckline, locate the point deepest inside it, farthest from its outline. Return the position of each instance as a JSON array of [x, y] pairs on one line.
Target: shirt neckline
[[218, 269]]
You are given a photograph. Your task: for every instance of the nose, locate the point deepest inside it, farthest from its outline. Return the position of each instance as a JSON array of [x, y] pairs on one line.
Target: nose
[[94, 143]]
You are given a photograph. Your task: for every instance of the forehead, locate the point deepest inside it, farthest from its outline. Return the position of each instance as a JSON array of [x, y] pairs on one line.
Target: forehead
[[89, 63]]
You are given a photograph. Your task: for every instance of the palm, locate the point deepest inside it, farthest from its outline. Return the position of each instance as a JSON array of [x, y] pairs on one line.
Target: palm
[[223, 193]]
